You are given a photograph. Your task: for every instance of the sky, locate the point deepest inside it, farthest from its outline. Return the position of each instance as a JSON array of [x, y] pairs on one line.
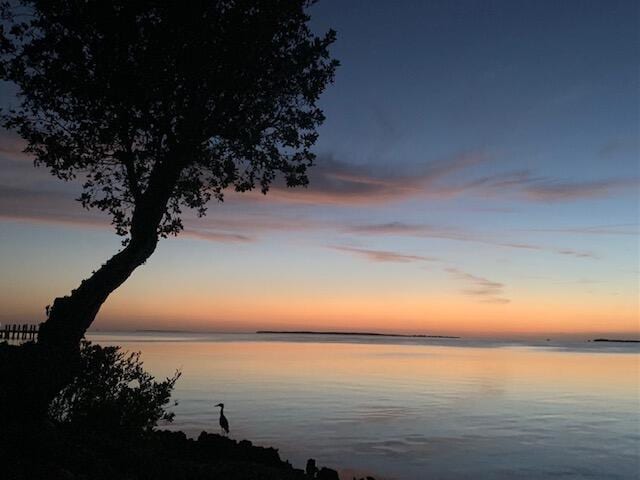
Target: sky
[[477, 175]]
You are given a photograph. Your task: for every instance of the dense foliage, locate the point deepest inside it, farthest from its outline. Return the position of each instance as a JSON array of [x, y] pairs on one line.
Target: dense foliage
[[113, 393], [145, 100]]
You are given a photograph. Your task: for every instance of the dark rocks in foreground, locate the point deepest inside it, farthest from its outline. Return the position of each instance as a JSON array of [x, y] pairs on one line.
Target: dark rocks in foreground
[[55, 454]]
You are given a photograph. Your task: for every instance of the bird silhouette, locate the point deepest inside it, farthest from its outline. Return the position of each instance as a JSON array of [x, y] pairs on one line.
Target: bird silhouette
[[224, 423]]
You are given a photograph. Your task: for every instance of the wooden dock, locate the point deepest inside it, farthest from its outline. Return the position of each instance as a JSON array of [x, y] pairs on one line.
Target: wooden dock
[[17, 332]]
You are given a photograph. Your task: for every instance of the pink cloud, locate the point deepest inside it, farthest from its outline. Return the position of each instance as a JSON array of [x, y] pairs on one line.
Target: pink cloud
[[382, 255], [429, 231], [487, 290]]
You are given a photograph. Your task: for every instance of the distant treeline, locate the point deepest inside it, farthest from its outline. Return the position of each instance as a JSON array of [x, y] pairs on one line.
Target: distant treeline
[[615, 340], [362, 334]]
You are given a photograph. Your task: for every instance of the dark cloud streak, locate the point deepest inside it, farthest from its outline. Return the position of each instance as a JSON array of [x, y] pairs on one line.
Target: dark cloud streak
[[338, 182], [526, 185], [624, 229]]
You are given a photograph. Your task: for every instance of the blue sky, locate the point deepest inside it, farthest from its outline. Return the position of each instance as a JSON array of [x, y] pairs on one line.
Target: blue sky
[[477, 172]]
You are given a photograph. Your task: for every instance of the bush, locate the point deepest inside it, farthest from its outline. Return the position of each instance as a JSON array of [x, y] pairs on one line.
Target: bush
[[113, 394]]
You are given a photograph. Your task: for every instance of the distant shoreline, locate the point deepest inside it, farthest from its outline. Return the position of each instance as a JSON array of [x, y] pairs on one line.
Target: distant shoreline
[[614, 340], [164, 331], [365, 334], [357, 334]]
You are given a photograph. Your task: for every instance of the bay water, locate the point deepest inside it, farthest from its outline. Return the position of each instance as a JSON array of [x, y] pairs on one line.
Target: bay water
[[410, 408]]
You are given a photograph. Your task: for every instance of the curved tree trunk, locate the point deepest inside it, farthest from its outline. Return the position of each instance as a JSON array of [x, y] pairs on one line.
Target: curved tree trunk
[[33, 374], [71, 316]]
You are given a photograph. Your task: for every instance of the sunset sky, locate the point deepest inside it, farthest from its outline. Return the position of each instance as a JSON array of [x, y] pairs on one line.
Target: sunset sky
[[477, 174]]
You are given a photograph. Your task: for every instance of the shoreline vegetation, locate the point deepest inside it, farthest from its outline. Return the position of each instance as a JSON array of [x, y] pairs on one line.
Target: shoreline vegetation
[[104, 426]]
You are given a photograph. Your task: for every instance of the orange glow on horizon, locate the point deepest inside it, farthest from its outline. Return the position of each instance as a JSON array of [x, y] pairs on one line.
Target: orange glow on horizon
[[437, 314]]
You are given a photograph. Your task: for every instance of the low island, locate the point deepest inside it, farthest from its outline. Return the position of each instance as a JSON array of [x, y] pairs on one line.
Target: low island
[[356, 334], [615, 340]]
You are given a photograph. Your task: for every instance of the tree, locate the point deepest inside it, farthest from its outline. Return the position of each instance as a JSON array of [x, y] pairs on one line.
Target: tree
[[113, 394], [158, 106]]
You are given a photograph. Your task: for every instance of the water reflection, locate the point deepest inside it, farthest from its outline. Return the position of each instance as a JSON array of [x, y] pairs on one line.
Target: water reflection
[[409, 410]]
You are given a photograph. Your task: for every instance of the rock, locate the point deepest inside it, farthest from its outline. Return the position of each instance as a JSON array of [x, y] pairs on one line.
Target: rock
[[327, 474], [311, 469]]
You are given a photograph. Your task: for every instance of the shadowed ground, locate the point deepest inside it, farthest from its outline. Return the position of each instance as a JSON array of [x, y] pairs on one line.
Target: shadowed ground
[[32, 453]]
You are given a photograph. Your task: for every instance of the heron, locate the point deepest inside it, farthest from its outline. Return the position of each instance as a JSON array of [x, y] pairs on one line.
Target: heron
[[224, 423]]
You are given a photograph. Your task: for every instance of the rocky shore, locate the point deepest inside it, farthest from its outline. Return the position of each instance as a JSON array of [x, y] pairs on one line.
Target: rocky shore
[[108, 430], [55, 454]]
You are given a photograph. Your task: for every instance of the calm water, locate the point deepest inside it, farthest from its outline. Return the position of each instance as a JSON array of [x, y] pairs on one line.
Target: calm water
[[411, 409]]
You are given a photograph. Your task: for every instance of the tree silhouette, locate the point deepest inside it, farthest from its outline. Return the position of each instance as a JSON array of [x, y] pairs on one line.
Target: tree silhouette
[[160, 105]]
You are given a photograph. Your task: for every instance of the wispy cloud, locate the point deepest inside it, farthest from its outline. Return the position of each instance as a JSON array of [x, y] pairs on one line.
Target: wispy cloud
[[401, 228], [382, 255], [253, 223], [529, 186], [619, 146], [44, 206], [487, 290], [11, 145], [624, 229], [60, 208], [559, 251], [430, 231], [554, 190], [217, 236], [337, 182]]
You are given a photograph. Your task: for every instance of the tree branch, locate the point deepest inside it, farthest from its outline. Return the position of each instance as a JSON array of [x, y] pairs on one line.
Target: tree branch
[[126, 159]]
